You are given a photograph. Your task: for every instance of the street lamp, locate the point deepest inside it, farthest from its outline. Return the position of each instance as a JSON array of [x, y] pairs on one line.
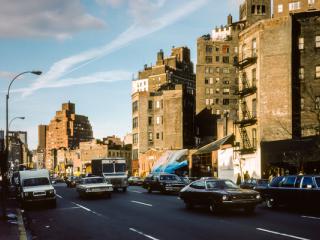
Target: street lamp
[[5, 162], [22, 118]]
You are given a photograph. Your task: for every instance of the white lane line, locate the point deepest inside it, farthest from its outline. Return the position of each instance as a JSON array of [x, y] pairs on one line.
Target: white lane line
[[282, 234], [143, 234], [135, 191], [58, 196], [318, 218], [142, 203], [83, 207]]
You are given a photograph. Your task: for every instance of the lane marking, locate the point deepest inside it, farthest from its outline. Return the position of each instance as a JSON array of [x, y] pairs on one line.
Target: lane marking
[[68, 208], [142, 203], [318, 218], [58, 196], [135, 191], [143, 234], [83, 207], [282, 234]]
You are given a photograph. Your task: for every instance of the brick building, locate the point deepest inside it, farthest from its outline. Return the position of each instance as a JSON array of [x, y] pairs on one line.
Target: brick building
[[66, 130], [163, 104], [285, 7]]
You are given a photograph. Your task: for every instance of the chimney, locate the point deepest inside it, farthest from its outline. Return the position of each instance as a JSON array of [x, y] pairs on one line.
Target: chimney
[[160, 55]]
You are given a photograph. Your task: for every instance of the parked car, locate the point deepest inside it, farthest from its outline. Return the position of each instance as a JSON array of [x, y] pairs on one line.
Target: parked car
[[35, 186], [135, 181], [94, 186], [254, 183], [163, 182], [293, 190], [219, 194]]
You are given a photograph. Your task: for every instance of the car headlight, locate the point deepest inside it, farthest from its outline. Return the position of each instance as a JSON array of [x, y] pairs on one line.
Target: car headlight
[[88, 190], [224, 197], [258, 196]]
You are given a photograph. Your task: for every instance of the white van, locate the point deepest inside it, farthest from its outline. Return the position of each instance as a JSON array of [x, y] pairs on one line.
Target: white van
[[35, 186]]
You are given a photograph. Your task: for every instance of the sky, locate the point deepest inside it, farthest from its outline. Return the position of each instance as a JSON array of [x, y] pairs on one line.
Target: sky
[[89, 51]]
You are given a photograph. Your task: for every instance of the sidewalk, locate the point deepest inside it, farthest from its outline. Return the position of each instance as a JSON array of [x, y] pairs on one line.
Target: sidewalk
[[14, 228]]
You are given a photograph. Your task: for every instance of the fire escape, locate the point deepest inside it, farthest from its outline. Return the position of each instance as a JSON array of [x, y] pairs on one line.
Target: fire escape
[[247, 119]]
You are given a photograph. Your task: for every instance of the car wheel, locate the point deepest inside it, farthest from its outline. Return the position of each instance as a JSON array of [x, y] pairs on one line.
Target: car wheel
[[270, 203], [250, 209], [213, 208], [149, 189]]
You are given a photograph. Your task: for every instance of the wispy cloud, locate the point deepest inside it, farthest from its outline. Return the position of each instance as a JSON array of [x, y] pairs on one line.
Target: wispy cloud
[[45, 18], [134, 32], [6, 75]]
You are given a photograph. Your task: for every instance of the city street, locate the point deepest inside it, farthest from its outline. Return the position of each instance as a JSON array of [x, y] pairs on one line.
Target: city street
[[139, 215]]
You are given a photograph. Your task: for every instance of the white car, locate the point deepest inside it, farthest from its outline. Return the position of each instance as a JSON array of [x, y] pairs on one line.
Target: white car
[[35, 186], [94, 186]]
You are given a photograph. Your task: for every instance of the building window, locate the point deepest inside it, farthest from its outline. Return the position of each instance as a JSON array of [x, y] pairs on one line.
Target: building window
[[206, 70], [226, 81], [150, 105], [318, 41], [218, 112], [225, 101], [149, 121], [207, 91], [135, 122], [253, 9], [310, 2], [254, 48], [217, 69], [294, 6], [217, 90], [254, 108], [258, 9], [217, 100], [226, 70], [135, 138], [206, 80], [301, 73], [158, 120], [317, 71], [217, 59], [208, 59], [150, 136], [211, 80], [263, 9], [207, 101], [254, 77], [254, 138], [302, 104], [208, 49], [317, 102], [226, 91], [211, 91], [280, 8], [158, 135], [135, 106], [225, 59], [157, 104], [301, 43], [217, 49], [217, 80]]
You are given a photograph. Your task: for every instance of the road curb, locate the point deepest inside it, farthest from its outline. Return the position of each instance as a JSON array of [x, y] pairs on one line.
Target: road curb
[[21, 227]]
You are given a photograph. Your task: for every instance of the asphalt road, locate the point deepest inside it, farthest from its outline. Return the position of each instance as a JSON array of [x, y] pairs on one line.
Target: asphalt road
[[139, 215]]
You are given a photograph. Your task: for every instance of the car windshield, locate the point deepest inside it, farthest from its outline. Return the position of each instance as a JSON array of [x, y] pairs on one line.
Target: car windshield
[[35, 182], [228, 184], [263, 182], [108, 168], [120, 167], [168, 177], [93, 180]]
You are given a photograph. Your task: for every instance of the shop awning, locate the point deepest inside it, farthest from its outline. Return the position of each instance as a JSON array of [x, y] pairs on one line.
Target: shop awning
[[213, 146]]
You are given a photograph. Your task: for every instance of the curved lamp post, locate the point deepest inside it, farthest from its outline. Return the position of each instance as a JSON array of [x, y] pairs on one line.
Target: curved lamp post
[[22, 118], [5, 162]]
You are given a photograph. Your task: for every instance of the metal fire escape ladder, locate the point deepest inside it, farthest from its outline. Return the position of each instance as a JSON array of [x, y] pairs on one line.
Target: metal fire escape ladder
[[245, 138]]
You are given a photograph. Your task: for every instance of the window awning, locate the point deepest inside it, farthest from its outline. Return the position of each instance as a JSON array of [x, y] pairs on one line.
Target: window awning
[[213, 146]]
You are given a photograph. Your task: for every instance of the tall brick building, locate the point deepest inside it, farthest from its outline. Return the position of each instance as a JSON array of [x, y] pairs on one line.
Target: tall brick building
[[285, 7], [66, 130], [163, 104]]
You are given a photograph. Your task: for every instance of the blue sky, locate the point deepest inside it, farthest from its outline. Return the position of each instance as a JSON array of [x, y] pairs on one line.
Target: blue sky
[[88, 51]]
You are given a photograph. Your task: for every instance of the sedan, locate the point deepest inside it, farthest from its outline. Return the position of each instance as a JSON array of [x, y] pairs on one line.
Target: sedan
[[135, 181], [219, 194], [94, 186]]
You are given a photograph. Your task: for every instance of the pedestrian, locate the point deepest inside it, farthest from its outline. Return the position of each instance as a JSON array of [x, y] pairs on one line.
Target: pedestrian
[[246, 176], [239, 179]]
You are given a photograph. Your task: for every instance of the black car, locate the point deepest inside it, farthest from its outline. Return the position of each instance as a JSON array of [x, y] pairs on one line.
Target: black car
[[163, 182], [253, 183], [301, 191], [219, 194]]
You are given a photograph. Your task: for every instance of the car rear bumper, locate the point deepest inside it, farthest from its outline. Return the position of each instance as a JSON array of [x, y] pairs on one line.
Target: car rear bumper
[[240, 203], [42, 199]]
